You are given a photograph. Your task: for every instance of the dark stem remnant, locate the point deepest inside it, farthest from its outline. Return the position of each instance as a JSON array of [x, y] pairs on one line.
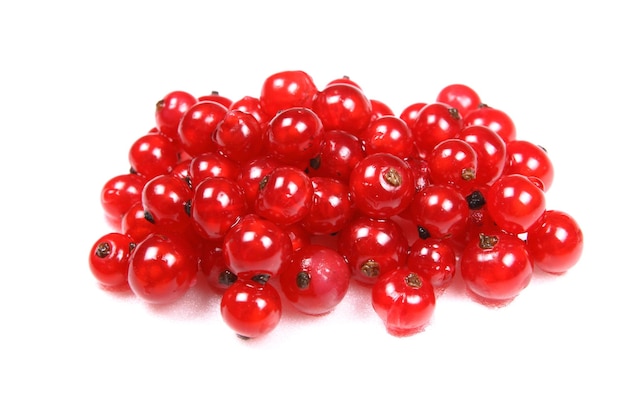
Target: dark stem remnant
[[422, 232], [393, 177], [103, 250], [226, 278], [413, 280], [476, 200], [370, 268], [303, 279], [487, 241]]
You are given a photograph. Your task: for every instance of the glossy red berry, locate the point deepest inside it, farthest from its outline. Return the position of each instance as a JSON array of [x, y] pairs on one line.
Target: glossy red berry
[[496, 268], [372, 247], [343, 107], [404, 301], [216, 97], [251, 174], [555, 242], [256, 246], [213, 268], [197, 126], [382, 185], [531, 160], [136, 225], [495, 119], [251, 307], [454, 162], [169, 111], [108, 260], [212, 165], [153, 154], [217, 204], [389, 134], [286, 89], [239, 136], [119, 194], [285, 196], [441, 211], [166, 200], [491, 153], [331, 208], [162, 268], [315, 279], [339, 154], [435, 123], [515, 203], [461, 97], [295, 136], [433, 260]]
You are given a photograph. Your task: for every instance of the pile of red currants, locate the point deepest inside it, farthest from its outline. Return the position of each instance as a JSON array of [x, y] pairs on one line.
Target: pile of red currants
[[292, 195]]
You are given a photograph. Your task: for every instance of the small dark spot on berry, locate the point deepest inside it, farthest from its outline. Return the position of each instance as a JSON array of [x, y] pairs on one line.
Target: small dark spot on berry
[[316, 162], [422, 232], [476, 200], [303, 279], [454, 112], [148, 216], [103, 250], [226, 278], [188, 207], [261, 278]]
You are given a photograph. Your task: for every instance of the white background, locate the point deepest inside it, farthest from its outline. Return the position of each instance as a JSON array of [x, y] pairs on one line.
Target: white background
[[78, 84]]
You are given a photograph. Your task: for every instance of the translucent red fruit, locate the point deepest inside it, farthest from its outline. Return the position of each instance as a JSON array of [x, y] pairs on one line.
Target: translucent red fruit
[[343, 107], [454, 162], [316, 279], [491, 152], [434, 123], [404, 301], [294, 136], [389, 134], [433, 260], [256, 246], [162, 268], [239, 136], [496, 268], [108, 260], [382, 185], [531, 160], [441, 210], [495, 119], [555, 242], [459, 96], [166, 200], [169, 111], [515, 203], [286, 89], [197, 125], [339, 154], [119, 194], [285, 196], [251, 307], [153, 154], [331, 207]]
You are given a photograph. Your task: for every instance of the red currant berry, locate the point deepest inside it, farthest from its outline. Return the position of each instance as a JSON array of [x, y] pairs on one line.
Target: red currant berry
[[153, 154], [441, 211], [382, 185], [343, 107], [454, 162], [286, 89], [167, 202], [135, 224], [162, 268], [495, 119], [169, 111], [433, 260], [217, 98], [380, 109], [411, 112], [555, 242], [531, 160], [217, 204], [389, 134], [490, 150], [238, 136], [295, 136], [435, 123], [212, 165], [252, 173], [339, 154], [119, 194], [256, 246], [197, 125], [331, 207], [459, 96], [515, 203], [251, 307], [285, 196], [496, 268], [213, 268], [372, 247], [251, 105], [315, 280], [108, 260], [404, 301]]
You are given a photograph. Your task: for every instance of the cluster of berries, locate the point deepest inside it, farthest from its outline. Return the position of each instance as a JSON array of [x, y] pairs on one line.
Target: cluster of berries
[[294, 194]]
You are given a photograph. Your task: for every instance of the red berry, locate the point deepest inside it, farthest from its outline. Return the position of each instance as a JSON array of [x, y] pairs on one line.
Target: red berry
[[169, 111], [197, 126], [153, 154], [435, 123], [404, 301], [217, 204], [531, 160], [496, 268], [162, 268], [256, 246], [441, 210], [119, 194], [343, 107], [495, 119], [339, 154], [166, 200], [459, 96], [555, 242], [217, 98], [251, 307], [389, 134], [252, 173], [433, 260], [315, 279], [331, 208], [212, 165], [108, 260], [454, 162], [295, 136], [286, 89], [491, 152], [285, 196], [213, 268], [239, 136]]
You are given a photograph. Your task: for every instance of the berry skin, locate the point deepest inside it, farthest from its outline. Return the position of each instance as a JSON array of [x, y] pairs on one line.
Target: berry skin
[[441, 210], [196, 127], [331, 207], [286, 89], [285, 196], [166, 200], [212, 165], [108, 260], [555, 242], [454, 162], [496, 268], [295, 136], [372, 247], [251, 307], [404, 301], [343, 107], [515, 203], [238, 136], [495, 119], [382, 185], [252, 173], [162, 268], [433, 260], [491, 152], [256, 246], [389, 134], [153, 154], [339, 154], [459, 96], [214, 270], [119, 194], [528, 159], [315, 279], [435, 123], [170, 110]]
